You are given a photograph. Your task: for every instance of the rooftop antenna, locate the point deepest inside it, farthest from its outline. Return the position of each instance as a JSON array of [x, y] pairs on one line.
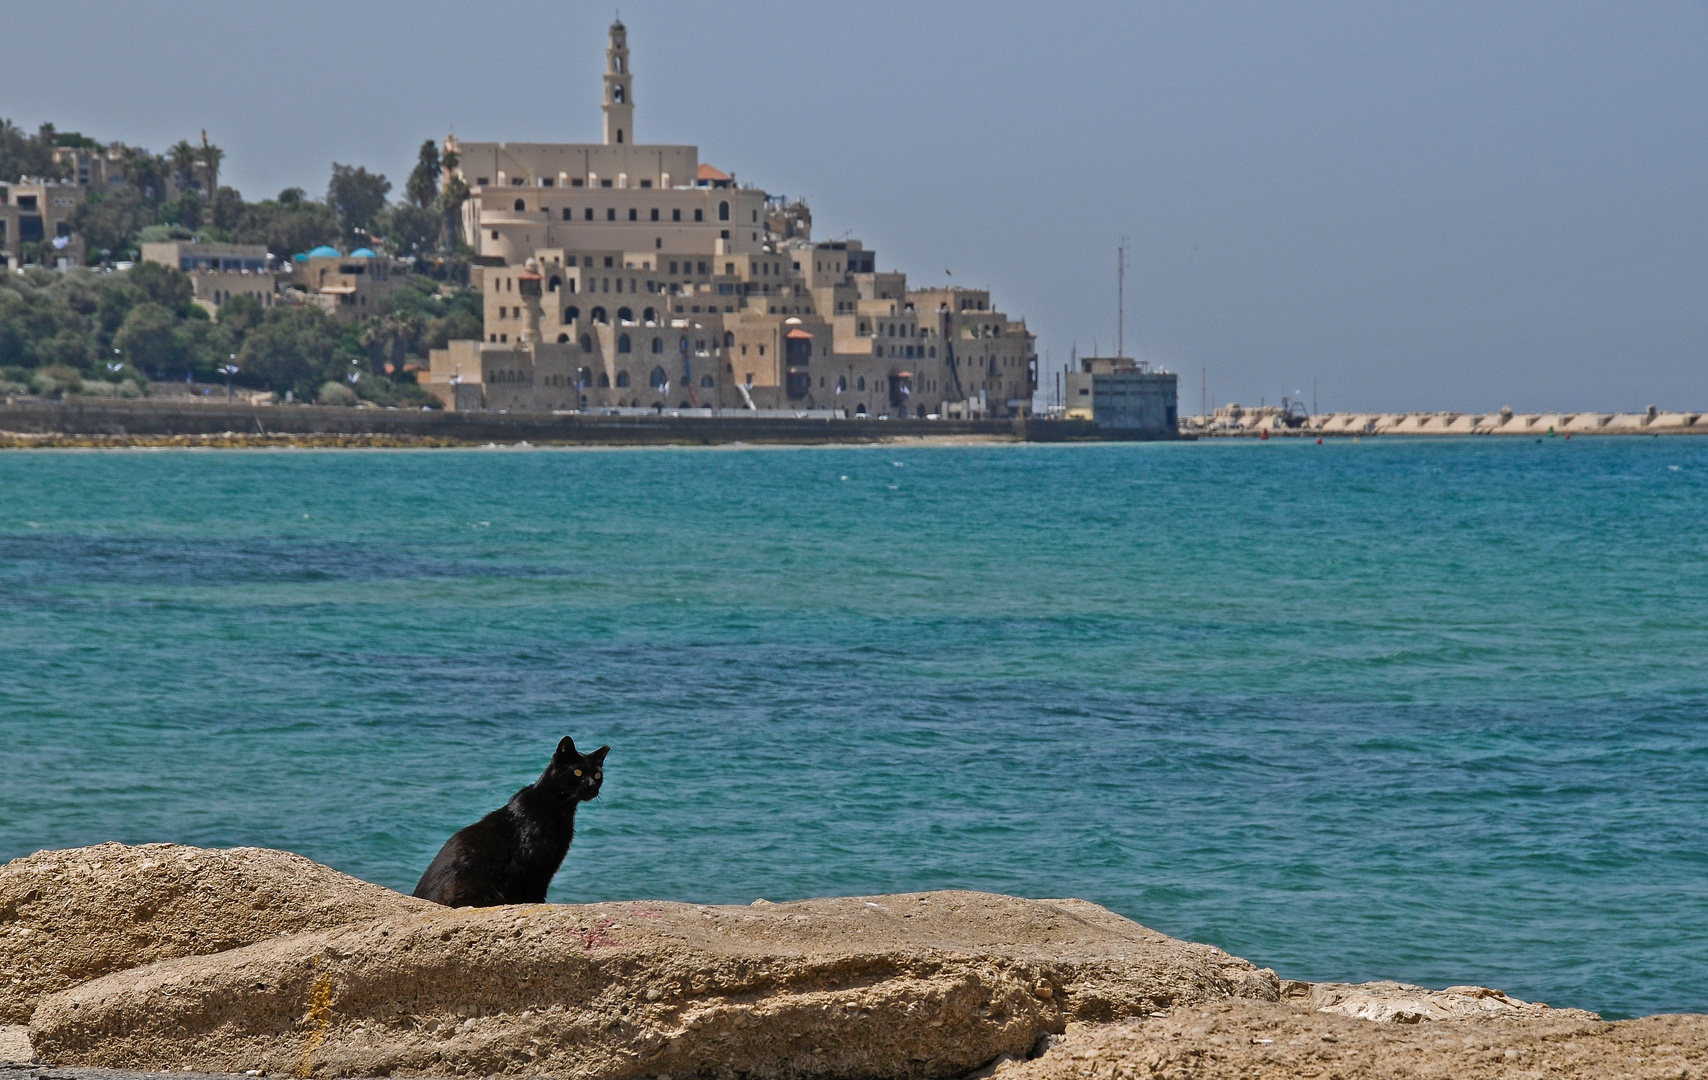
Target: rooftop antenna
[[1121, 298]]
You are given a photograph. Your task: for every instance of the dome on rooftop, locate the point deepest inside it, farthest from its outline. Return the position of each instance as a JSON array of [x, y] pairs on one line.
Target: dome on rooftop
[[323, 252], [299, 257], [363, 253]]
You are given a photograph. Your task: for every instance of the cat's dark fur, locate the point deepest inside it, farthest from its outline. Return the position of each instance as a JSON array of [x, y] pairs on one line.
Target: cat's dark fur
[[510, 855]]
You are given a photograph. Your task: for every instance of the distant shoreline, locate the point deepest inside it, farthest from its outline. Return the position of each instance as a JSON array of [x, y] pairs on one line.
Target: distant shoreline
[[102, 423]]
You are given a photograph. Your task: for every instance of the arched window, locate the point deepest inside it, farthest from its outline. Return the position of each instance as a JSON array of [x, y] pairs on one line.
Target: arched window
[[583, 377], [617, 93], [861, 382], [554, 283], [625, 315], [570, 314], [657, 345], [622, 343], [619, 134], [563, 339], [723, 211], [604, 380], [650, 315], [599, 315], [622, 378], [520, 205], [586, 343], [860, 409], [841, 383], [706, 382], [729, 339], [656, 379]]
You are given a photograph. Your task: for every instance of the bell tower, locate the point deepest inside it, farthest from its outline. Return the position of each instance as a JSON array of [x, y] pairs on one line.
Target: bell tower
[[619, 93]]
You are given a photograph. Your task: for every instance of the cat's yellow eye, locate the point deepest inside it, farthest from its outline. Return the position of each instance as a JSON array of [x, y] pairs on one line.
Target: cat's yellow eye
[[598, 776], [578, 772]]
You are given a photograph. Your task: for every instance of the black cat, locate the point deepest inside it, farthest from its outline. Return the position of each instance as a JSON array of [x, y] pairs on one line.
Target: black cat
[[510, 855]]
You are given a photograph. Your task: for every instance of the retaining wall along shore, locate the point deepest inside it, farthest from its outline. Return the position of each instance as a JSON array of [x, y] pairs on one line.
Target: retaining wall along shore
[[148, 419]]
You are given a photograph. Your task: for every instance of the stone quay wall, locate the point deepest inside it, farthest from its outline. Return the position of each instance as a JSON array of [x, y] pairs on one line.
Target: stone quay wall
[[115, 421]]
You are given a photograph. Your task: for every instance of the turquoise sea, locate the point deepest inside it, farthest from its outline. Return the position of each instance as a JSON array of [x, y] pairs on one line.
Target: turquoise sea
[[1426, 710]]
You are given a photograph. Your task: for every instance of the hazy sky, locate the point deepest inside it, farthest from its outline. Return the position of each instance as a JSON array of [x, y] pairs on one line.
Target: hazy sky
[[1417, 206]]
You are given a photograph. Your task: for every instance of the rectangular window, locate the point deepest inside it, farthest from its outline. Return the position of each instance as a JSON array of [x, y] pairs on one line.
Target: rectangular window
[[480, 181], [589, 215], [655, 213], [634, 214], [702, 268], [548, 182], [611, 213], [609, 262], [672, 268], [699, 215], [604, 183], [577, 182], [567, 216], [646, 183], [729, 268], [675, 215]]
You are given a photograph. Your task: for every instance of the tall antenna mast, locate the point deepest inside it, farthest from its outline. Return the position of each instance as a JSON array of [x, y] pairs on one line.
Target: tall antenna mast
[[1121, 298]]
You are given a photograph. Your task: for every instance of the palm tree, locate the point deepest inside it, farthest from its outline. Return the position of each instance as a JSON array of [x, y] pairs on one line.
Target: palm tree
[[451, 199], [423, 185], [183, 158], [210, 156]]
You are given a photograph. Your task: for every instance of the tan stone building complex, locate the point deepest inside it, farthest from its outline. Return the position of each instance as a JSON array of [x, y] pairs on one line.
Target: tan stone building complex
[[630, 275]]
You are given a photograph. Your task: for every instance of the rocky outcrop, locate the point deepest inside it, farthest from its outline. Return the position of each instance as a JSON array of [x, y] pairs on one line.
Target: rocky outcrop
[[1402, 1003], [171, 958], [917, 985], [1252, 1040], [70, 916]]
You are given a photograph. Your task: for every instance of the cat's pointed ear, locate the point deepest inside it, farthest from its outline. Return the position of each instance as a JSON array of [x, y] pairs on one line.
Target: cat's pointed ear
[[597, 757], [566, 748]]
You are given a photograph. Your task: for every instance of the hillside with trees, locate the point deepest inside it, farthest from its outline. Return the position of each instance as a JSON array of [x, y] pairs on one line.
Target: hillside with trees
[[103, 331]]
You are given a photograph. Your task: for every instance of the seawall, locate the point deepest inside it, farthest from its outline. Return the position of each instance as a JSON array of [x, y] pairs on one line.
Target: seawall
[[104, 421]]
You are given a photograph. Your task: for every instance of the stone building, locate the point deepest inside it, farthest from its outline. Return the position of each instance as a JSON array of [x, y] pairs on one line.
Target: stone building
[[35, 223], [349, 287], [627, 274], [218, 272]]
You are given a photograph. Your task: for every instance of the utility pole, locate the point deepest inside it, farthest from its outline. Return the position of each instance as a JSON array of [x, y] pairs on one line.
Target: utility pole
[[1121, 298]]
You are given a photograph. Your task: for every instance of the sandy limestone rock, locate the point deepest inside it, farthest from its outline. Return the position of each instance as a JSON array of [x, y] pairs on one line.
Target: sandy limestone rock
[[1254, 1040], [914, 985], [70, 916]]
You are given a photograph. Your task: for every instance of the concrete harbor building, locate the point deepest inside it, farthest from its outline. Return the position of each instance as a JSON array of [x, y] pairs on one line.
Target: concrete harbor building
[[1120, 393], [624, 274]]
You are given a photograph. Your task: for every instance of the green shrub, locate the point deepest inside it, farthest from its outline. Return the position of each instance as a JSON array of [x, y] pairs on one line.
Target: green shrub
[[335, 393]]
